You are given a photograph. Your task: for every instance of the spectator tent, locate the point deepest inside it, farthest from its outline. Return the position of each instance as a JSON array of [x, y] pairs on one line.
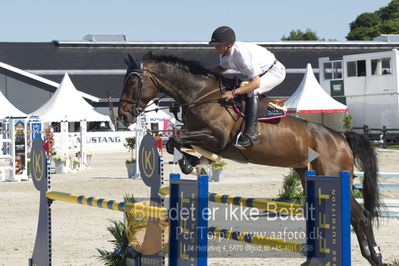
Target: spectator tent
[[311, 102]]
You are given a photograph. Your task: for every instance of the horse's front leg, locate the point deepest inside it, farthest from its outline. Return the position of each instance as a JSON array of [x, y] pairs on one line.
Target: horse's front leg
[[198, 138], [203, 138], [188, 162]]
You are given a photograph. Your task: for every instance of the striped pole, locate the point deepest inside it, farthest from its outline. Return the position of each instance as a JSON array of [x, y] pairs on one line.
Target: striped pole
[[380, 174], [289, 246], [268, 205], [131, 208]]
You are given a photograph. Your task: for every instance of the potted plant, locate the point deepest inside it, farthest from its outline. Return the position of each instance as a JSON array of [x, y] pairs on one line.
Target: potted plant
[[88, 155], [217, 170], [76, 163], [131, 162], [59, 161], [124, 234]]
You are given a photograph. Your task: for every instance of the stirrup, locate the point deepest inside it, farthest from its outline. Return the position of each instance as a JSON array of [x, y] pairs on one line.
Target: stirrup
[[236, 142], [251, 140]]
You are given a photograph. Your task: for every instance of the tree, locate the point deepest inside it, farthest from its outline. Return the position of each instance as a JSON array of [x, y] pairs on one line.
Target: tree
[[370, 25], [298, 35], [390, 11], [367, 20]]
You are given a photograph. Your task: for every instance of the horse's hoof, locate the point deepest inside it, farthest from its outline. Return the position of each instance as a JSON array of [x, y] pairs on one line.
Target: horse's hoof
[[185, 167], [170, 145], [193, 161]]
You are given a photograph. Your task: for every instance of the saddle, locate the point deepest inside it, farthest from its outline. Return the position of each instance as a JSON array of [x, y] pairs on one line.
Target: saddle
[[269, 109]]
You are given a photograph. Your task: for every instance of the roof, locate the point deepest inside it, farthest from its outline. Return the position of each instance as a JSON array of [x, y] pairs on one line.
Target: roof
[[39, 79], [97, 68], [310, 97]]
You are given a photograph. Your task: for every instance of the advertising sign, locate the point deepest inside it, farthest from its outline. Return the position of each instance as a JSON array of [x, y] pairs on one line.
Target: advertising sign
[[19, 131]]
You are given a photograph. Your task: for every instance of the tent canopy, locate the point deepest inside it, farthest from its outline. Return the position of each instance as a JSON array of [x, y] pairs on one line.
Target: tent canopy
[[310, 97], [8, 109], [67, 105]]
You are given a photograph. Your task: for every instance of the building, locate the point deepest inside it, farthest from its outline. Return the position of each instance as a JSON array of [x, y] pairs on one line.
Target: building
[[30, 72], [368, 83]]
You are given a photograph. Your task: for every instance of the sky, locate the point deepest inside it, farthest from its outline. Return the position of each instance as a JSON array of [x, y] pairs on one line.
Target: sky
[[170, 20]]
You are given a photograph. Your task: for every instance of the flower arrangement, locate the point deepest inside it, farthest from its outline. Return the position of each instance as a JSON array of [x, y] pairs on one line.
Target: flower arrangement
[[218, 165], [60, 158]]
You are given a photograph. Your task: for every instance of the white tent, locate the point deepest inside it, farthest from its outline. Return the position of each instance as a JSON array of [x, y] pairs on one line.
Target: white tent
[[311, 102], [310, 97], [8, 109], [68, 105]]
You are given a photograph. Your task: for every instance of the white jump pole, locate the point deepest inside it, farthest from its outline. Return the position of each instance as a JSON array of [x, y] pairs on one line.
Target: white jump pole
[[83, 150], [65, 141]]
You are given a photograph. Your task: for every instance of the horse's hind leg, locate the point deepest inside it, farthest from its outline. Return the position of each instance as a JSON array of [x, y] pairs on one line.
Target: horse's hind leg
[[301, 172], [361, 223]]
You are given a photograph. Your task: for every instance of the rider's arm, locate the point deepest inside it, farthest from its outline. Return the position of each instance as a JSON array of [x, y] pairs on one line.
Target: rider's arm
[[253, 84], [218, 69]]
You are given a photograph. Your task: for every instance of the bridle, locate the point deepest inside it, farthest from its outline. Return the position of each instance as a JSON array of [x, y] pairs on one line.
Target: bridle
[[137, 110]]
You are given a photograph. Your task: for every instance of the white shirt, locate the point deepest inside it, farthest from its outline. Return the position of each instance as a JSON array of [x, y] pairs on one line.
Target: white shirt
[[248, 58]]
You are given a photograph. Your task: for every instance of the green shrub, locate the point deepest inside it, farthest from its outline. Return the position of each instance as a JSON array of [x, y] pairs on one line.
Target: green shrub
[[123, 234], [130, 143], [357, 193], [292, 189], [347, 122], [218, 165], [395, 263]]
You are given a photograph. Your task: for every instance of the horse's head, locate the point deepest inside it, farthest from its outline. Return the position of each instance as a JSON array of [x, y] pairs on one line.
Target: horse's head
[[138, 90]]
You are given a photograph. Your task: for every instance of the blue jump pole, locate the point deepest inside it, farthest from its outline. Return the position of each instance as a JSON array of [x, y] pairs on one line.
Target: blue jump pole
[[188, 210], [328, 218]]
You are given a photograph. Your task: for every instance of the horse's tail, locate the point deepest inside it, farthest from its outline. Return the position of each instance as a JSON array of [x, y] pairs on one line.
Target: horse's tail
[[365, 158]]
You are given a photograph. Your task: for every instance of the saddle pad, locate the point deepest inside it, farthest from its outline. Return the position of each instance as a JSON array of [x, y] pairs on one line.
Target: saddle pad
[[267, 114]]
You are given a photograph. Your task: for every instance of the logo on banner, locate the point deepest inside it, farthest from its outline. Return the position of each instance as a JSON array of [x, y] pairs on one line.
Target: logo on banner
[[148, 162]]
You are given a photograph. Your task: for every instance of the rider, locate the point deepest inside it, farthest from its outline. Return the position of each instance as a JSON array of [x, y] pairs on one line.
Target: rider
[[261, 67]]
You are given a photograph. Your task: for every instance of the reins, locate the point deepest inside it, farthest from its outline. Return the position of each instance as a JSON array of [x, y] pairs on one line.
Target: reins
[[137, 110]]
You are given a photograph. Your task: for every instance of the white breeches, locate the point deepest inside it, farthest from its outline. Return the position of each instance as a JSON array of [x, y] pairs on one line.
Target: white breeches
[[272, 78]]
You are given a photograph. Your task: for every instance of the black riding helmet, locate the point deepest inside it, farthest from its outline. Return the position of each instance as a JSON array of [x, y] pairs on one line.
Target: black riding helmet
[[223, 35]]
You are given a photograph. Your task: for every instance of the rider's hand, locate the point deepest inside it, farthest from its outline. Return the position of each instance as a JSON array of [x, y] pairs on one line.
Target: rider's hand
[[228, 96]]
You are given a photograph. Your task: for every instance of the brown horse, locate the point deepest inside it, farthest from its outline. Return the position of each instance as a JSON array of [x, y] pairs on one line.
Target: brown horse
[[212, 125]]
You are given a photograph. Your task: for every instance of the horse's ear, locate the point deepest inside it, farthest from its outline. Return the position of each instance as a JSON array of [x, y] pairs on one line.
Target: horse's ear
[[131, 58], [132, 62], [126, 59]]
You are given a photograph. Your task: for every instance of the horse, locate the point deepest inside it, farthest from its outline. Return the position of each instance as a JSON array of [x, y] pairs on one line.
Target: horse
[[211, 124]]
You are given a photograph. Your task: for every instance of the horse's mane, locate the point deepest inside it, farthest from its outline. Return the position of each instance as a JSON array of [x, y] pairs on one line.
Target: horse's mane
[[192, 66]]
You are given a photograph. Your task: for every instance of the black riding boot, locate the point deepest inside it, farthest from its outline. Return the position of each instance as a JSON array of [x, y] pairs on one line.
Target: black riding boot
[[250, 136]]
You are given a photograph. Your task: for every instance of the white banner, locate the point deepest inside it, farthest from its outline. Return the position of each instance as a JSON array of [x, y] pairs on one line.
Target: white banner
[[95, 141]]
